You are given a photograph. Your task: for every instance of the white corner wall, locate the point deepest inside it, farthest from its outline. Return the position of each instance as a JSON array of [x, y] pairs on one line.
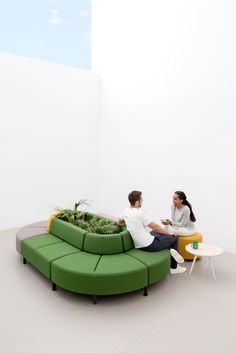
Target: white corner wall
[[168, 107], [49, 154]]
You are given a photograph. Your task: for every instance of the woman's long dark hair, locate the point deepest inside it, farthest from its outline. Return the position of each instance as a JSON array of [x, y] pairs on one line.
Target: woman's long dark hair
[[183, 197]]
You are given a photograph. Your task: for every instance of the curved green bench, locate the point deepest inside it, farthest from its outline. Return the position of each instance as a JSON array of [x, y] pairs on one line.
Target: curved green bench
[[94, 264]]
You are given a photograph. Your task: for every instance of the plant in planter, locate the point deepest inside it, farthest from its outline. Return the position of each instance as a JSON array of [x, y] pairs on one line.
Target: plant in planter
[[93, 224], [73, 214], [103, 226]]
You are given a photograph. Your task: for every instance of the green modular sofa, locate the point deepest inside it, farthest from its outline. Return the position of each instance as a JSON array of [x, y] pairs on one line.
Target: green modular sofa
[[93, 264]]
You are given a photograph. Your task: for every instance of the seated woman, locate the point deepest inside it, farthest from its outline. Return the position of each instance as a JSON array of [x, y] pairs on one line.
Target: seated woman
[[182, 216]]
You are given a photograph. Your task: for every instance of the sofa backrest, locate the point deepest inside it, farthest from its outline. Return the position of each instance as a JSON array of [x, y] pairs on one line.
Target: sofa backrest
[[127, 240], [102, 244], [68, 232]]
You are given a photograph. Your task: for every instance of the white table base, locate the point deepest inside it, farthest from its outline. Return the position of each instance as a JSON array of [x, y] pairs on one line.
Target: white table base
[[210, 265]]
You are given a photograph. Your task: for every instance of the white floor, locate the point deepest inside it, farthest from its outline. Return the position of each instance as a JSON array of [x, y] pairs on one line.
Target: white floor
[[182, 313]]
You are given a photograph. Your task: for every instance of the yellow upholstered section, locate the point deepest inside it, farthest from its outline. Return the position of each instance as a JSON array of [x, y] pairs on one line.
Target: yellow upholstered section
[[183, 241], [51, 218]]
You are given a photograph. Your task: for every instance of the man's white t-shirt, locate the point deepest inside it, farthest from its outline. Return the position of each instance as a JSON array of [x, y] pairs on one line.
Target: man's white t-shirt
[[136, 223]]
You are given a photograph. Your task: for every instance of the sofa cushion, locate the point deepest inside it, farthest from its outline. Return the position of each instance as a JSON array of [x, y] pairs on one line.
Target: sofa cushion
[[120, 273], [38, 241], [68, 232], [42, 257], [103, 243], [158, 263], [75, 272], [95, 274]]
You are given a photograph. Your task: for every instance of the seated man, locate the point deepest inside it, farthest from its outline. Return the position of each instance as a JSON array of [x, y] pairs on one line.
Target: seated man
[[158, 239]]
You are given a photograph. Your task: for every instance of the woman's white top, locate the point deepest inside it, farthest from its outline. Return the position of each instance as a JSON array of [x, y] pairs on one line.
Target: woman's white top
[[180, 218]]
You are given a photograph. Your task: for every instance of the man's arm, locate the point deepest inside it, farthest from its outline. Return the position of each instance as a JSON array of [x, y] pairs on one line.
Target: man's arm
[[120, 222], [154, 226]]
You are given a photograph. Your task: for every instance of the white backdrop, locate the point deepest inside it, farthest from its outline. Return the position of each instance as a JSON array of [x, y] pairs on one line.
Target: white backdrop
[[168, 107], [49, 136]]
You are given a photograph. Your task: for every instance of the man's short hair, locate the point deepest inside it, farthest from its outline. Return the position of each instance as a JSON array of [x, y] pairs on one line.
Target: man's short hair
[[134, 196]]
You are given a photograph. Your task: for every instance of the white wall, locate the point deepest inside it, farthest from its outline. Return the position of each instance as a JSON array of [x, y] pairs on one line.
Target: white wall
[[49, 116], [168, 107]]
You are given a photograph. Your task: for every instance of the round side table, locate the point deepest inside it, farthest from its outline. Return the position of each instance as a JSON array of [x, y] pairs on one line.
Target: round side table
[[207, 250]]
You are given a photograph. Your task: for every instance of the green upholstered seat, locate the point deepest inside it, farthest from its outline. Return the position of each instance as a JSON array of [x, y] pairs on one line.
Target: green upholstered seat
[[120, 273], [37, 241], [75, 272], [158, 263], [42, 256], [99, 274]]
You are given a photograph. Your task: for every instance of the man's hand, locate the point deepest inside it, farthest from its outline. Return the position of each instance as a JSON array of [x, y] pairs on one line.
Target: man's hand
[[165, 222], [157, 228], [120, 222]]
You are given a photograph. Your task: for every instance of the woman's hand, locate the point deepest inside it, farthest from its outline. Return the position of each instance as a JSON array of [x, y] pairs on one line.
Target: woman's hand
[[165, 221]]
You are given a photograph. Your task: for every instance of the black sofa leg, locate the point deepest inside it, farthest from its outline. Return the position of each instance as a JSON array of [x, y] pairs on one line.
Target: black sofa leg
[[54, 287], [94, 299], [145, 291], [24, 261]]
